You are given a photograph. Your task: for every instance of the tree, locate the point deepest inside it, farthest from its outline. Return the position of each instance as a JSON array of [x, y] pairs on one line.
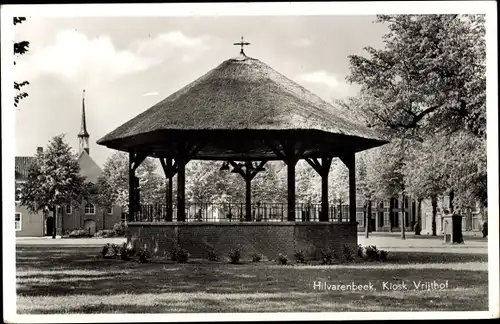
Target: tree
[[338, 184], [53, 180], [467, 169], [426, 174], [308, 183], [116, 174], [427, 85], [201, 178], [268, 186], [429, 77], [20, 48]]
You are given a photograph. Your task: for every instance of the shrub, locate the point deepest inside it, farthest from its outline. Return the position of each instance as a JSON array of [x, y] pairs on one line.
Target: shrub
[[282, 259], [360, 251], [383, 255], [256, 257], [105, 249], [115, 249], [234, 256], [79, 233], [212, 255], [372, 253], [347, 254], [105, 233], [119, 229], [299, 256], [144, 256], [179, 254], [327, 256], [125, 253]]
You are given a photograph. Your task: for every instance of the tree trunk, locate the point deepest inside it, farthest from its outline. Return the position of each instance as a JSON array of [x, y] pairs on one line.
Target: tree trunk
[[368, 219], [403, 223], [391, 215], [63, 212], [451, 196], [418, 226], [54, 225], [434, 214]]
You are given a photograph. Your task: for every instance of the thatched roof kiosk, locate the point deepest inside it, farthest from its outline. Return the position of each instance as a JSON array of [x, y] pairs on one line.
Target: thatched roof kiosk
[[243, 110]]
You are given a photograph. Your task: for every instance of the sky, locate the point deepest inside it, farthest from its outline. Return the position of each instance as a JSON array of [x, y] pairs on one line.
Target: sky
[[127, 65]]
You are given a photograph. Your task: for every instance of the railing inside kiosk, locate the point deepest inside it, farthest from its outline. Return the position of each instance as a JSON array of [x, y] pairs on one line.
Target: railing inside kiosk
[[227, 212]]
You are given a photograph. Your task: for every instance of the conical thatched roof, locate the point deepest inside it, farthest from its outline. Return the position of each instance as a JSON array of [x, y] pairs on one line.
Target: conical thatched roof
[[240, 95]]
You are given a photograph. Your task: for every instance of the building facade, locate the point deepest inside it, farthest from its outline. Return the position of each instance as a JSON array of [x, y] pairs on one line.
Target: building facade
[[85, 215], [472, 218], [387, 215], [26, 222]]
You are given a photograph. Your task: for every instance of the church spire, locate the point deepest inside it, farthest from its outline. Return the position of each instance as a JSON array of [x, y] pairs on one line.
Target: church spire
[[83, 136]]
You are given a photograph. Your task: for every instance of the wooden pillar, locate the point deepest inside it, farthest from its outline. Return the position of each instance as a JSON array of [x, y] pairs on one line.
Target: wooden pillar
[[170, 170], [324, 198], [131, 188], [323, 169], [181, 190], [350, 161], [291, 190], [170, 201], [248, 175], [326, 163], [169, 217], [352, 191], [135, 159], [290, 152], [248, 200]]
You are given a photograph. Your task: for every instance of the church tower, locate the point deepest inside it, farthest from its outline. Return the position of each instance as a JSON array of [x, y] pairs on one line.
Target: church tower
[[83, 136]]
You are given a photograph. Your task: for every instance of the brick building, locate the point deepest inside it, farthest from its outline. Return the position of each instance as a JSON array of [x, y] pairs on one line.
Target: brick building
[[87, 215]]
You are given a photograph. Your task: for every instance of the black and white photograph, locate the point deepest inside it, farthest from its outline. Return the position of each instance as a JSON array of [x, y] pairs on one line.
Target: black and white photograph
[[250, 161]]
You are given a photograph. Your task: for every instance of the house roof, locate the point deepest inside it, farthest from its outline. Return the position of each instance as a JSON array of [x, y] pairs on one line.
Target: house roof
[[22, 165], [240, 95], [88, 167]]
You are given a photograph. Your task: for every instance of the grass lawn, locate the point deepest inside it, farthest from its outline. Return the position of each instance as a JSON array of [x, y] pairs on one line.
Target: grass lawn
[[72, 279]]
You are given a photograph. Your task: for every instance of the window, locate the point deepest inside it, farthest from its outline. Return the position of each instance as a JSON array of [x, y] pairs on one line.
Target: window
[[360, 218], [69, 210], [89, 209], [374, 215], [387, 219], [18, 221], [110, 210], [446, 202], [360, 203], [386, 204]]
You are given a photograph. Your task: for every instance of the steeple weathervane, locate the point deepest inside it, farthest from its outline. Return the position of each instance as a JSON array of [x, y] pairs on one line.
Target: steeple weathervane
[[242, 43], [83, 136]]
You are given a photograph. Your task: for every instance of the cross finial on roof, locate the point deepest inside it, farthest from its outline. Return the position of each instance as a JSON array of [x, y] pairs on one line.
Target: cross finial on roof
[[242, 43]]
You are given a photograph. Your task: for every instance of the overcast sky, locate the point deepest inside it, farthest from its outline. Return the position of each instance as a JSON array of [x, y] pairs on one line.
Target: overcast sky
[[127, 65]]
